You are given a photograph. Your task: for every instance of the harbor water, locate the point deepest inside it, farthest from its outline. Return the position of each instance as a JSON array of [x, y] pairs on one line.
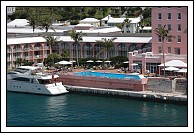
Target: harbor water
[[77, 109]]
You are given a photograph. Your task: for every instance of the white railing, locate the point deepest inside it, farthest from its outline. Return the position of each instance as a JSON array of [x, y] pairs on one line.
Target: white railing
[[46, 47], [27, 49], [36, 48]]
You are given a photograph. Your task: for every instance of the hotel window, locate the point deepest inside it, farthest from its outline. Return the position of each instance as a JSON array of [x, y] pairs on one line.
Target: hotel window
[[159, 39], [169, 39], [169, 27], [159, 25], [159, 15], [159, 50], [169, 16], [179, 16], [176, 50], [179, 27], [179, 39], [169, 49]]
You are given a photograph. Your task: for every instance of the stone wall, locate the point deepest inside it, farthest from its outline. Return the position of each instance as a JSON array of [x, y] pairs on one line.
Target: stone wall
[[181, 85], [166, 85], [159, 85]]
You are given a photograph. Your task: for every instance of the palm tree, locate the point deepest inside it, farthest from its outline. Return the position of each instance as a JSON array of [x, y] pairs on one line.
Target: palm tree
[[126, 24], [107, 45], [76, 36], [65, 54], [163, 34], [45, 24], [19, 61], [51, 41]]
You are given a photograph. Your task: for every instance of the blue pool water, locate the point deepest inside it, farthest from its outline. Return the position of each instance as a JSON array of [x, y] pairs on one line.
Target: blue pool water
[[108, 75]]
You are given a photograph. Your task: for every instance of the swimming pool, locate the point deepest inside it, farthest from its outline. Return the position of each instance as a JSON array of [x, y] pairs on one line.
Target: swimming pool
[[109, 75]]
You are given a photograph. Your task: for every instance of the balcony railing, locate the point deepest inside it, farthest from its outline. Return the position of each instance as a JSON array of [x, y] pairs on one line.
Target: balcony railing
[[27, 49], [37, 56], [46, 47], [36, 48], [9, 51], [27, 57], [18, 50]]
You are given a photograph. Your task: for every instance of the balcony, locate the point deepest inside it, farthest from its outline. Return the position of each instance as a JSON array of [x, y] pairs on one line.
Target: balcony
[[18, 50], [9, 51], [27, 57], [36, 48], [37, 56], [46, 47], [27, 49]]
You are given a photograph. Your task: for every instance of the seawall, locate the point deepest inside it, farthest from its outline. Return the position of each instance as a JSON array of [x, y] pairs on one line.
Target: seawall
[[142, 95]]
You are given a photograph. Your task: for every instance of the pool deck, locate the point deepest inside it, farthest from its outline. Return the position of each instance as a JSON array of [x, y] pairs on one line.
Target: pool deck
[[175, 97]]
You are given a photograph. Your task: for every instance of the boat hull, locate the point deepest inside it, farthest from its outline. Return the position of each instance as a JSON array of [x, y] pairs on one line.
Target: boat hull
[[26, 87]]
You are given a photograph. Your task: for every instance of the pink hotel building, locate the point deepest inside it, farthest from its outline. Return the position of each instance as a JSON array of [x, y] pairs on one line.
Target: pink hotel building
[[34, 49], [175, 19]]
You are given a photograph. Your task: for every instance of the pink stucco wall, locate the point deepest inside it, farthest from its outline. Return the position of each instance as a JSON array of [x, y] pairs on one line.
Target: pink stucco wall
[[174, 22]]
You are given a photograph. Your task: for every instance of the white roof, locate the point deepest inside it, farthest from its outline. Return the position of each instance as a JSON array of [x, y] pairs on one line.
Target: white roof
[[29, 30], [106, 18], [85, 39], [175, 63], [116, 20], [18, 23], [85, 25], [121, 20], [58, 24], [104, 30], [90, 20]]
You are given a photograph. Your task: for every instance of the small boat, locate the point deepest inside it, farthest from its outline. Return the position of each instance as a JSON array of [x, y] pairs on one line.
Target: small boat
[[30, 79]]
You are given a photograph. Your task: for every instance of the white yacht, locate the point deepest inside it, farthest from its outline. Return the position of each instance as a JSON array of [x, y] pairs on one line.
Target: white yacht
[[30, 79]]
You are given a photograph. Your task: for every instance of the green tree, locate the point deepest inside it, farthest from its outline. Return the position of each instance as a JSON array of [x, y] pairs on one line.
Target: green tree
[[162, 33], [51, 41], [107, 45], [19, 61], [66, 54], [32, 22], [45, 24], [76, 36], [126, 24]]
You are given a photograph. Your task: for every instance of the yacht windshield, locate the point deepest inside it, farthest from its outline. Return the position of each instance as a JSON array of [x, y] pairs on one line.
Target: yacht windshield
[[47, 81]]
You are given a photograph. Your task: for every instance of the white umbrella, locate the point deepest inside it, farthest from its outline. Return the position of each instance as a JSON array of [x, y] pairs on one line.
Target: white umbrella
[[182, 70], [90, 61], [171, 68], [134, 64], [72, 61], [107, 61], [126, 62], [64, 63], [99, 61]]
